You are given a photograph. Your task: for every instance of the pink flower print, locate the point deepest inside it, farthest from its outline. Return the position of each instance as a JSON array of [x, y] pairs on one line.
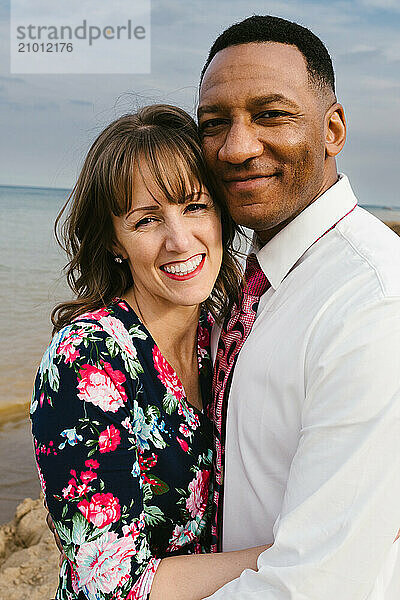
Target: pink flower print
[[203, 337], [95, 315], [191, 418], [127, 424], [167, 375], [88, 476], [68, 351], [70, 490], [109, 439], [180, 537], [74, 579], [91, 463], [183, 444], [142, 587], [104, 564], [102, 387], [123, 305], [67, 347], [101, 510], [134, 528], [41, 479], [197, 501], [118, 332], [82, 490], [184, 429]]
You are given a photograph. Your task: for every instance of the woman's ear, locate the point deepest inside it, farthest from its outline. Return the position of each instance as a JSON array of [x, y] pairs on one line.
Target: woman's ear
[[335, 130], [116, 250]]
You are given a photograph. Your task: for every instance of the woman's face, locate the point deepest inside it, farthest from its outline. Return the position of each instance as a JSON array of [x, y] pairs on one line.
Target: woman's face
[[174, 251]]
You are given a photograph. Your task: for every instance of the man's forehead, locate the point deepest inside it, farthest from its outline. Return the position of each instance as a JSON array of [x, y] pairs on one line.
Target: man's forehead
[[255, 63]]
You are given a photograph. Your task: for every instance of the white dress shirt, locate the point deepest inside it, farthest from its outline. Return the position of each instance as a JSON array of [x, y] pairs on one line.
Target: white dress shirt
[[313, 424]]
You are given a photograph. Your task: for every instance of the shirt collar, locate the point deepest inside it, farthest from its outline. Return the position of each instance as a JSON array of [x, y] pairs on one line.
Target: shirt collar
[[280, 254]]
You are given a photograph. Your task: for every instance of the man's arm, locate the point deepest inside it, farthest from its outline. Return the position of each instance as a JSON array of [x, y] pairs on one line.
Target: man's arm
[[341, 509]]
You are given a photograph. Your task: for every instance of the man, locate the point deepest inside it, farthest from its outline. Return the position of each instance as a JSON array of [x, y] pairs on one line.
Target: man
[[312, 424]]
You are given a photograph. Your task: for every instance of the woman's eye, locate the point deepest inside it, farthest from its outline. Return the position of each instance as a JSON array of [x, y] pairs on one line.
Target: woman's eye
[[196, 206], [144, 221]]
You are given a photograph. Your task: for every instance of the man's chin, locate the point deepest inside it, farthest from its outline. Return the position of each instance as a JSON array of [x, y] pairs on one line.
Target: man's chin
[[254, 216]]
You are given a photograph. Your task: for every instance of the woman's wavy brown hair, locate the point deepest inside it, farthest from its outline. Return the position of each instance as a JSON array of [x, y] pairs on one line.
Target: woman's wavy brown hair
[[166, 137]]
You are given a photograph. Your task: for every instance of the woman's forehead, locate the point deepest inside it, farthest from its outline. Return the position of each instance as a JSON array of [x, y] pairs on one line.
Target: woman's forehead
[[173, 182]]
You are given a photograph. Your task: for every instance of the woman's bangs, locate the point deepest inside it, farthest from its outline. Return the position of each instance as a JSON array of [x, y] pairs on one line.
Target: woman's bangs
[[173, 168], [120, 183]]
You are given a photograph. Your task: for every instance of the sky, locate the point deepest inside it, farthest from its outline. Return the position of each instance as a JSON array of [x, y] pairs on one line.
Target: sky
[[47, 122]]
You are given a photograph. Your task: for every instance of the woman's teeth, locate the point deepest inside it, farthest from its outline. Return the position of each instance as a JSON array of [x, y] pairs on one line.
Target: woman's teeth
[[185, 267]]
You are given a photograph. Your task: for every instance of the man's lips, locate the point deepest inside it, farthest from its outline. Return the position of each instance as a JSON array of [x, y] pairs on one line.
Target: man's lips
[[248, 182]]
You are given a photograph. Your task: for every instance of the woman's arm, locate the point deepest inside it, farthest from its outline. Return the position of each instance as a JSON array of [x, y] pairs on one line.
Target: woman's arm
[[88, 465], [196, 576]]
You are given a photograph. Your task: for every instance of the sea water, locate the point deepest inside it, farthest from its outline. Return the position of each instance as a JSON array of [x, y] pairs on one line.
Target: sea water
[[31, 283]]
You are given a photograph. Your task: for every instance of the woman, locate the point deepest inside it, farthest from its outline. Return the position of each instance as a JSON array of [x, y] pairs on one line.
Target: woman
[[123, 444]]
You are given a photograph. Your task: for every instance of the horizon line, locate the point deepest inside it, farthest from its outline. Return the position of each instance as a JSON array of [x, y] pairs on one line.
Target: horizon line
[[36, 187], [68, 189]]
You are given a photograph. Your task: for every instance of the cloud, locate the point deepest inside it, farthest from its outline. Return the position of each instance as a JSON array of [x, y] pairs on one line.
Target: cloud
[[386, 5], [47, 127], [81, 103]]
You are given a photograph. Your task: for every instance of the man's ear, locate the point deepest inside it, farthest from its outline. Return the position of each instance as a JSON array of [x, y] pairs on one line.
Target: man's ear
[[335, 130]]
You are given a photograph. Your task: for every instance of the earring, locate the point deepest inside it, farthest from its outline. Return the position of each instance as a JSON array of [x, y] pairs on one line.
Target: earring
[[118, 259]]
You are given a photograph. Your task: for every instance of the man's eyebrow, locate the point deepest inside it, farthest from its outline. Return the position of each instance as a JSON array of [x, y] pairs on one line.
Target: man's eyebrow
[[271, 98], [208, 108], [258, 101]]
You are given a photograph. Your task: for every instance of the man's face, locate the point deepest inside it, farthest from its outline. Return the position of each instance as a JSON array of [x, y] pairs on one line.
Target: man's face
[[263, 129]]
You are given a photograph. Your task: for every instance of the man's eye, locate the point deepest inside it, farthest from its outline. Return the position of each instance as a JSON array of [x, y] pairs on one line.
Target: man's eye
[[210, 124], [271, 114]]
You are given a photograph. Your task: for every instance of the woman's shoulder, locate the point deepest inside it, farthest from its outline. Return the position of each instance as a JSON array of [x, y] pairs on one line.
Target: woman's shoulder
[[116, 321], [109, 334]]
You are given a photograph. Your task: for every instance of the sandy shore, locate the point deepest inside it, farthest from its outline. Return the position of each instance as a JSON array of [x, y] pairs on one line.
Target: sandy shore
[[393, 225], [28, 555]]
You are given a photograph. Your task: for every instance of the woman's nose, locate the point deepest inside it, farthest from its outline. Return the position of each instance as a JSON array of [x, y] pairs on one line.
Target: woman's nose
[[178, 236]]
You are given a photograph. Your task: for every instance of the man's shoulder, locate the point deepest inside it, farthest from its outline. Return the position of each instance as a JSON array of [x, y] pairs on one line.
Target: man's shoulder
[[373, 249]]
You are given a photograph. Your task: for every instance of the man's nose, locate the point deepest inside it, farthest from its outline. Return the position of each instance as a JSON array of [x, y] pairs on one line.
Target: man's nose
[[241, 143], [178, 236]]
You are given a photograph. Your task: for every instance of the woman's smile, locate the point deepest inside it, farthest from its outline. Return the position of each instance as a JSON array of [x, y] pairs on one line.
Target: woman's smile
[[181, 271]]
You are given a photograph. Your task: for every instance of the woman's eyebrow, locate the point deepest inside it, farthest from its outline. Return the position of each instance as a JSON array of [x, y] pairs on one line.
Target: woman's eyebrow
[[153, 207]]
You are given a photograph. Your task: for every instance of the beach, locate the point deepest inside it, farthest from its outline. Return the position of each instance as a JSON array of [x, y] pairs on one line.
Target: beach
[[31, 283]]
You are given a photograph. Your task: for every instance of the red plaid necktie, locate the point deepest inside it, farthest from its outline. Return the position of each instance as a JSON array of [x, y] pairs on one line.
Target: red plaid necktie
[[233, 335]]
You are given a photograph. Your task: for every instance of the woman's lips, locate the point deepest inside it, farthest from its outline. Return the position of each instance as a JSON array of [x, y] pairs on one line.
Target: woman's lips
[[250, 184], [186, 276]]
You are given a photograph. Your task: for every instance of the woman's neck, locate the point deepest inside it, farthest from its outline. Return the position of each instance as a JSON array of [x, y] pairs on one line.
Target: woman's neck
[[173, 327]]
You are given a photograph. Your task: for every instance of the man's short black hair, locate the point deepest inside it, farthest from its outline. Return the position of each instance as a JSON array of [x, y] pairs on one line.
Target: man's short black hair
[[265, 28]]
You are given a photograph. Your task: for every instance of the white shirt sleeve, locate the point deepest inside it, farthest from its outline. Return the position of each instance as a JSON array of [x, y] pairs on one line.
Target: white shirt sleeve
[[341, 508]]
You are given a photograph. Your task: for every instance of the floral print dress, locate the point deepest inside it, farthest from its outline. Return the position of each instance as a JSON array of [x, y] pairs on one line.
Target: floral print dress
[[124, 461]]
